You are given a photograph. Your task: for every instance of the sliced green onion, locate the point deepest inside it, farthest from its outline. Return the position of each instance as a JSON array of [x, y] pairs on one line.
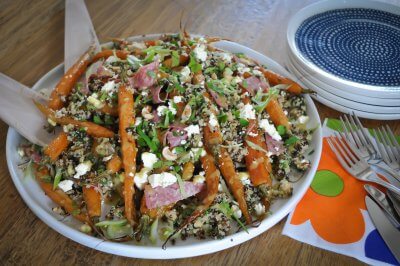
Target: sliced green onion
[[98, 120], [281, 130], [255, 146], [57, 178], [193, 65], [153, 232], [181, 185], [243, 122], [149, 143], [112, 222], [291, 140]]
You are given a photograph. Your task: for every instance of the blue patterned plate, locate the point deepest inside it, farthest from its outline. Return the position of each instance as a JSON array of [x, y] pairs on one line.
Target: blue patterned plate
[[357, 44], [352, 43]]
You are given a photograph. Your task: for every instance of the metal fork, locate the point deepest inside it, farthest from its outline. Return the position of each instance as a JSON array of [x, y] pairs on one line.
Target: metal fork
[[388, 147], [356, 134], [354, 164]]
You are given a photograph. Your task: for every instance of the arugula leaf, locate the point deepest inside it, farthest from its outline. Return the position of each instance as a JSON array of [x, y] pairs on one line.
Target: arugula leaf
[[149, 143], [291, 140], [193, 65], [226, 209], [222, 118], [243, 122], [175, 59], [57, 178], [98, 120], [281, 130]]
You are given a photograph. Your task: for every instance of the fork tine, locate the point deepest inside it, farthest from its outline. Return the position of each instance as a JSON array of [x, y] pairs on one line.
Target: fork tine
[[390, 146], [353, 149], [395, 143], [366, 136], [345, 156], [338, 155], [382, 151], [343, 143], [355, 137], [358, 131], [346, 131]]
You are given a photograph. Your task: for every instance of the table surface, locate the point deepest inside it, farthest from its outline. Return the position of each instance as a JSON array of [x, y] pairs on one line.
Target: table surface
[[32, 43]]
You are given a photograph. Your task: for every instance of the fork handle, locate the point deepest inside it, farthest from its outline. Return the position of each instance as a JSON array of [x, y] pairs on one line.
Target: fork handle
[[383, 183]]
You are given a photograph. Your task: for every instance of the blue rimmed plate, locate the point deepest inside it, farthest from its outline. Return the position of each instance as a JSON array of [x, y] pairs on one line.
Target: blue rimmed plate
[[353, 45]]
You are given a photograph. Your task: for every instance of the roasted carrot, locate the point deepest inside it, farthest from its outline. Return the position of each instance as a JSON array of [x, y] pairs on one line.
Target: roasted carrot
[[128, 149], [275, 79], [276, 114], [59, 196], [57, 146], [214, 137], [225, 164], [183, 59], [114, 164], [67, 82], [92, 129], [92, 199], [257, 162], [107, 53]]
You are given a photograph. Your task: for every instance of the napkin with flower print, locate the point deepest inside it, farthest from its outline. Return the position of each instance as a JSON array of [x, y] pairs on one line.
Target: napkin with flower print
[[332, 214]]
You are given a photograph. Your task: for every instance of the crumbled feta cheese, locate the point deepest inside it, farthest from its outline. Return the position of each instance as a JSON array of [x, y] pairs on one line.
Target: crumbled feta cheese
[[236, 80], [183, 142], [177, 99], [244, 177], [109, 87], [107, 158], [199, 179], [260, 209], [82, 168], [303, 119], [93, 99], [149, 159], [247, 112], [138, 121], [171, 107], [192, 130], [21, 152], [66, 185], [213, 121], [226, 57], [200, 52], [161, 110], [203, 153], [141, 177], [162, 180], [258, 73], [242, 68], [185, 74], [112, 59], [270, 129], [236, 211]]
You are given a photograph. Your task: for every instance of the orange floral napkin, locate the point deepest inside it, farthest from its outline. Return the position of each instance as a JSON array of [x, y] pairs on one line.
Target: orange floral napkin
[[332, 214]]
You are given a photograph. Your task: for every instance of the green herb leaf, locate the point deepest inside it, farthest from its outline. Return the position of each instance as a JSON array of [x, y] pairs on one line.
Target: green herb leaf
[[244, 84], [112, 222], [151, 74], [291, 140], [193, 65], [175, 59], [98, 120], [281, 130], [57, 178], [149, 143], [222, 118], [181, 185], [243, 122]]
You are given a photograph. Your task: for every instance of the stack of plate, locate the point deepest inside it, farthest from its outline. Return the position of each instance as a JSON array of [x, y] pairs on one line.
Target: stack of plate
[[348, 52]]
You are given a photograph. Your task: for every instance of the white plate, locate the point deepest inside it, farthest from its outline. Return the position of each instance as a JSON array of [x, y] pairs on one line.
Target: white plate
[[338, 91], [41, 205], [345, 85], [337, 106], [325, 91]]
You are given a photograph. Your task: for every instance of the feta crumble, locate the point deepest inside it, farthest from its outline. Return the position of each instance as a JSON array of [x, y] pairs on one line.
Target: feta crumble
[[200, 52], [247, 112], [270, 129], [162, 180], [66, 185], [82, 168], [149, 159], [192, 130], [141, 178]]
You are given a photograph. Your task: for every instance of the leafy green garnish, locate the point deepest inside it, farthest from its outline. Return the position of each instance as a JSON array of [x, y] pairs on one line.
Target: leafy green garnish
[[151, 74], [98, 120], [244, 84], [153, 147], [175, 59], [243, 122], [222, 118], [281, 130], [240, 55], [181, 185], [57, 178], [262, 98], [112, 222], [179, 149], [213, 85], [221, 65], [193, 65], [227, 210], [108, 120], [291, 140]]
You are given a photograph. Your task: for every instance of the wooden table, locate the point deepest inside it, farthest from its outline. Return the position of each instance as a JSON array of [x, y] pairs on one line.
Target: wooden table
[[32, 43]]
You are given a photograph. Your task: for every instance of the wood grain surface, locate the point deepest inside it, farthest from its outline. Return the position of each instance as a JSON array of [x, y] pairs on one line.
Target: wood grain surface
[[31, 44]]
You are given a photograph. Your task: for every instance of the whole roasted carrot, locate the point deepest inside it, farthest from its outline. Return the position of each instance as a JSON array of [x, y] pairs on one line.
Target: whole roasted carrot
[[154, 213], [68, 81], [57, 146], [59, 196], [92, 129], [128, 149]]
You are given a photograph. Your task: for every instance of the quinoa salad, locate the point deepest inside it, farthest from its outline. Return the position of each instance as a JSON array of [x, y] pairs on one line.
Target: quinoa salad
[[169, 139]]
